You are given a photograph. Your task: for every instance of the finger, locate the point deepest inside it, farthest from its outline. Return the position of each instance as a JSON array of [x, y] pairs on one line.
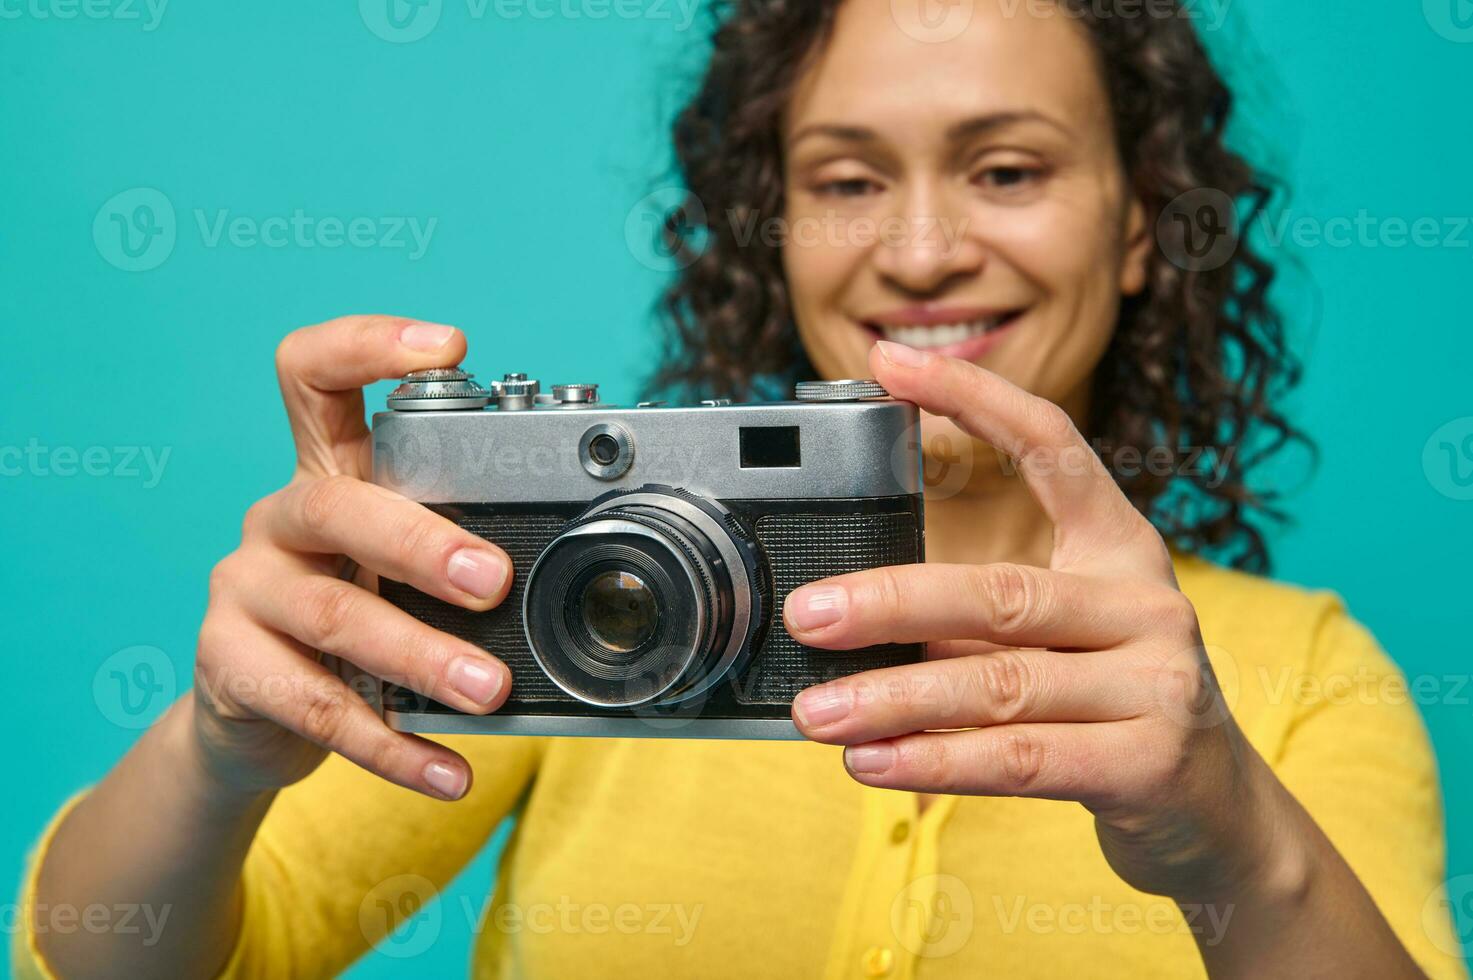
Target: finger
[[391, 535], [329, 615], [1016, 605], [1000, 688], [1091, 516], [275, 678], [947, 649], [1089, 763], [322, 371]]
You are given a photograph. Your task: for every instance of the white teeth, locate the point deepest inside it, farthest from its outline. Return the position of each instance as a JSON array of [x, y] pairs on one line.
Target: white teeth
[[941, 334]]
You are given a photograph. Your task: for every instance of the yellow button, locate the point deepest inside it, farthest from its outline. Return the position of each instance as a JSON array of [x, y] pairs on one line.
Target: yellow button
[[900, 832], [877, 961]]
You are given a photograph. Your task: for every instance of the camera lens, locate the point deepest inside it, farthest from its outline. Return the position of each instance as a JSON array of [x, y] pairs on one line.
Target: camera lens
[[620, 611], [648, 598], [604, 449]]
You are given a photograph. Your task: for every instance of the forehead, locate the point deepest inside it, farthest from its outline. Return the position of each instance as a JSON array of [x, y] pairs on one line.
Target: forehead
[[879, 69]]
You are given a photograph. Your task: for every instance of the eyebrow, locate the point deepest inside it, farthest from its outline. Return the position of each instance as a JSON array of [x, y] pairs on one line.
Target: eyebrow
[[966, 129]]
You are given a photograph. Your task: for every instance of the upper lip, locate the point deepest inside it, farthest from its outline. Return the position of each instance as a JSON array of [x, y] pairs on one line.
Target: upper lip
[[931, 316]]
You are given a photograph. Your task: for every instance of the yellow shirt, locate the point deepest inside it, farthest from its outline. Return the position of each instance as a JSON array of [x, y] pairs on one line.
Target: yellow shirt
[[671, 858]]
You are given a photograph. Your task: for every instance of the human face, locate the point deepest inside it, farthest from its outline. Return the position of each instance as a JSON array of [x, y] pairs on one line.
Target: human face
[[964, 196]]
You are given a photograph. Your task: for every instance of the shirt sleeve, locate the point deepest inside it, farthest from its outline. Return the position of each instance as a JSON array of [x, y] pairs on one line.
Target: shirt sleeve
[[1358, 757], [341, 859]]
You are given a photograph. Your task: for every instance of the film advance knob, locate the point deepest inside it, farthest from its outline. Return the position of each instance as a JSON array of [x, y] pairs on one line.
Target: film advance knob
[[840, 391], [438, 390], [575, 394]]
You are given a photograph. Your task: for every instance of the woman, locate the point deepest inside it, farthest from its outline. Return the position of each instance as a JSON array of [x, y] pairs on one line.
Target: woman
[[1025, 158]]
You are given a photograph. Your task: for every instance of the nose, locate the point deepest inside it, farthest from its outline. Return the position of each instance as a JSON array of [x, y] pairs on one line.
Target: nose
[[925, 244]]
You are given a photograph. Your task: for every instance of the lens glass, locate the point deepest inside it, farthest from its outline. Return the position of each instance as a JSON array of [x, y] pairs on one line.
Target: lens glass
[[604, 449], [620, 611]]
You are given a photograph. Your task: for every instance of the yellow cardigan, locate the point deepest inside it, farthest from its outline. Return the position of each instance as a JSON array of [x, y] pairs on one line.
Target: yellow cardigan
[[670, 858]]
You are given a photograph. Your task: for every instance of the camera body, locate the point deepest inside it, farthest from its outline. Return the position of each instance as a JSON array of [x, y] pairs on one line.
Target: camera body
[[653, 547]]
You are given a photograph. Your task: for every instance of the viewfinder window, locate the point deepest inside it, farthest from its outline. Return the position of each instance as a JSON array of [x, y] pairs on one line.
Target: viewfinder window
[[766, 447]]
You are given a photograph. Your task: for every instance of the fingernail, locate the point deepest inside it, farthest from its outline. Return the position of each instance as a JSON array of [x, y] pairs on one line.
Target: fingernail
[[448, 781], [871, 759], [813, 608], [823, 705], [901, 355], [479, 573], [426, 337], [475, 680]]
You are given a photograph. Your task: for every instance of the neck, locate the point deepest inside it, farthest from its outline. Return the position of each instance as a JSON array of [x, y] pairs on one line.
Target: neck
[[994, 518]]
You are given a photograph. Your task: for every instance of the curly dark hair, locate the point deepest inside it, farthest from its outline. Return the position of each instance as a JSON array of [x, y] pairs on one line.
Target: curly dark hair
[[1200, 359]]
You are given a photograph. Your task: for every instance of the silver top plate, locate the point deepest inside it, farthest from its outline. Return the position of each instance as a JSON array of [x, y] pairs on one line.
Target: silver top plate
[[846, 450]]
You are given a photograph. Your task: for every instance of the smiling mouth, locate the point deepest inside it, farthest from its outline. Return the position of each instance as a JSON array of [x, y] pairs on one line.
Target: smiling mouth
[[943, 334]]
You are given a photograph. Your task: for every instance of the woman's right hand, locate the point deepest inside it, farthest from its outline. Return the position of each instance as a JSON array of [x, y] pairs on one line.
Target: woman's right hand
[[265, 710]]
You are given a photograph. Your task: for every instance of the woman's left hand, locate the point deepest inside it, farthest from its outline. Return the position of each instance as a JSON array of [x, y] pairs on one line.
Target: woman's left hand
[[1085, 681]]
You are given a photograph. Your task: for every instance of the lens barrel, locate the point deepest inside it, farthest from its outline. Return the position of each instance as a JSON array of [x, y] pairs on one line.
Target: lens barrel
[[650, 597]]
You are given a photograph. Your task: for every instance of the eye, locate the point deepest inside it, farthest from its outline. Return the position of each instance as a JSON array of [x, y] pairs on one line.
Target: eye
[[1009, 177], [848, 187]]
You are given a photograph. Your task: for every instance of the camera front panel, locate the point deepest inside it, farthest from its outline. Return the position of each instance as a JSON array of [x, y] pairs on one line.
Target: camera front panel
[[798, 541]]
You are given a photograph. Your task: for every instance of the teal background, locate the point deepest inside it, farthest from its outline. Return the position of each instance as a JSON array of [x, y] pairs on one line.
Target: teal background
[[530, 141]]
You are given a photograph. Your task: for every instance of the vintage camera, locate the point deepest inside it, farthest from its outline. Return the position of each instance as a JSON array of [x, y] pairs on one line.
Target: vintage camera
[[653, 547]]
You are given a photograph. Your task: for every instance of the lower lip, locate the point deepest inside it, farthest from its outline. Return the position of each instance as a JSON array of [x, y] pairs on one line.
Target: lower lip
[[967, 350]]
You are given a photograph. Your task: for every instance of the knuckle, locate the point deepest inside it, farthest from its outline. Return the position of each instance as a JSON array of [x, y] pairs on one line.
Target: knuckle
[[325, 713], [416, 538], [928, 762], [1021, 756], [1154, 548], [255, 519], [1168, 762], [288, 352], [1052, 426], [386, 755], [886, 597], [326, 613], [321, 499], [1004, 683], [1013, 595], [211, 646], [224, 577], [1175, 611]]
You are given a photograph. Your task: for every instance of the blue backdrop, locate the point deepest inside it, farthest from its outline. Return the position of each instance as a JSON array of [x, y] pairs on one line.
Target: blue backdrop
[[185, 182]]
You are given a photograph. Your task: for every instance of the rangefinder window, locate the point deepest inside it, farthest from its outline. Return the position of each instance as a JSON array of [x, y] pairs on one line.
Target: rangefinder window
[[765, 447]]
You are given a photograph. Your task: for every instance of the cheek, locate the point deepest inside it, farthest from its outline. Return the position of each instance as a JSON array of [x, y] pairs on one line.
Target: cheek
[[1063, 249], [818, 276]]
